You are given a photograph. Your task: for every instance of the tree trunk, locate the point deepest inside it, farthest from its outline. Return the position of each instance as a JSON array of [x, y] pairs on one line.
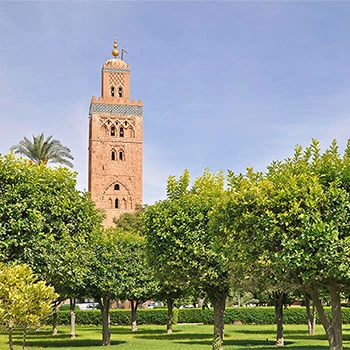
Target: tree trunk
[[219, 302], [337, 341], [169, 325], [24, 344], [278, 300], [54, 321], [333, 327], [10, 336], [54, 317], [200, 302], [134, 304], [238, 300], [106, 322], [72, 318], [311, 315]]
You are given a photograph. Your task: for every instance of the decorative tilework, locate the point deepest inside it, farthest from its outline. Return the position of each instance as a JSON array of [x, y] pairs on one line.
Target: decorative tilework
[[115, 109], [119, 70], [116, 79]]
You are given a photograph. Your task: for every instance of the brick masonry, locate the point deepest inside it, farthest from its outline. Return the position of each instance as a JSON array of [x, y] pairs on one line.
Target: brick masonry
[[115, 144]]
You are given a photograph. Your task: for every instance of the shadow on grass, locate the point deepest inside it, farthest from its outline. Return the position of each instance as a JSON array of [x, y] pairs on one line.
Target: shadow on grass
[[255, 344], [76, 343], [159, 332], [173, 336], [44, 339]]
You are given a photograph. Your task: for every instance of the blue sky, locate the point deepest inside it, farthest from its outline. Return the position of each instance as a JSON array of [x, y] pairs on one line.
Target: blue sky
[[225, 85]]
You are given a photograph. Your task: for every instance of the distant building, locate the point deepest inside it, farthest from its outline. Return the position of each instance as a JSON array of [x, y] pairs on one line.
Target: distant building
[[115, 143]]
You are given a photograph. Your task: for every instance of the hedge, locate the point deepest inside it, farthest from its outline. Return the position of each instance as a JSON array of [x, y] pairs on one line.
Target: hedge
[[246, 315], [117, 316]]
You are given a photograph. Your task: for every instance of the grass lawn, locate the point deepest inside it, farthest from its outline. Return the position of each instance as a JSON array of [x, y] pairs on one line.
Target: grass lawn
[[184, 337]]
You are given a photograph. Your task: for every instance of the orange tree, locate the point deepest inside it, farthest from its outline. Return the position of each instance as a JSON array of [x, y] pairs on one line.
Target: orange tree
[[294, 220], [183, 250], [45, 222]]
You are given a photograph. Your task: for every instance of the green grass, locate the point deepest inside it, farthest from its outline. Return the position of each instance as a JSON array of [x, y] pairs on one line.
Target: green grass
[[184, 337]]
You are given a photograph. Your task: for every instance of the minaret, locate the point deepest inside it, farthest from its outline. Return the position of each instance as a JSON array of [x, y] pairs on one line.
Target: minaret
[[115, 143]]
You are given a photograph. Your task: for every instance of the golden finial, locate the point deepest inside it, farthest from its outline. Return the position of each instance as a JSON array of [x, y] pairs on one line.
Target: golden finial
[[115, 52]]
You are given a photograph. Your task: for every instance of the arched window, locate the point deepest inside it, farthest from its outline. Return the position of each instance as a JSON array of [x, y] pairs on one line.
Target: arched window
[[120, 91], [113, 131], [116, 203], [112, 91], [116, 187], [121, 155], [121, 132], [113, 155]]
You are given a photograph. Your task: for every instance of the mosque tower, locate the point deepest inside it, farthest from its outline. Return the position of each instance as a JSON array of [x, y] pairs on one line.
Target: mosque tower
[[115, 143]]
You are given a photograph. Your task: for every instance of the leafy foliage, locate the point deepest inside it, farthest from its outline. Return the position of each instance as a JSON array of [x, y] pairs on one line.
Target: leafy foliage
[[42, 150], [295, 218], [24, 301], [45, 222], [183, 250]]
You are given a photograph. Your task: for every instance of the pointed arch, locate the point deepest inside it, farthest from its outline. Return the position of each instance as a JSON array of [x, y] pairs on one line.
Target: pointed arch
[[121, 155]]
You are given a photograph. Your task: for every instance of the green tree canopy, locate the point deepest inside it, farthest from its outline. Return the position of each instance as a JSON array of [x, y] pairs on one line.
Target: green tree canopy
[[24, 301], [42, 150], [139, 284], [45, 222], [183, 250], [295, 218]]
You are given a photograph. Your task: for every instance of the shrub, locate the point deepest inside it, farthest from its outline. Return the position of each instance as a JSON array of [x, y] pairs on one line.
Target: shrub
[[190, 315], [246, 315]]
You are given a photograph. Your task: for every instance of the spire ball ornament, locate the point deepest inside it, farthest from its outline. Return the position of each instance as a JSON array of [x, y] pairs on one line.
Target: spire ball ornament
[[115, 52]]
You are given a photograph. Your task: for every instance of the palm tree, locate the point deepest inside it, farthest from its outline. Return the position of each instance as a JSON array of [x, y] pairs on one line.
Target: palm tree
[[44, 151]]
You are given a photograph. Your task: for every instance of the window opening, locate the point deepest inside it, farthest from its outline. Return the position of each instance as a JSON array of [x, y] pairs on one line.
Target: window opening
[[112, 131], [120, 91], [112, 91], [113, 155], [121, 155], [116, 187], [121, 132], [116, 203]]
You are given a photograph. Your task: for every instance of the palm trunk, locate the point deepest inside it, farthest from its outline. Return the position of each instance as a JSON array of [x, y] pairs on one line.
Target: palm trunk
[[106, 322], [278, 300], [134, 304], [219, 302], [332, 327], [169, 325], [72, 318]]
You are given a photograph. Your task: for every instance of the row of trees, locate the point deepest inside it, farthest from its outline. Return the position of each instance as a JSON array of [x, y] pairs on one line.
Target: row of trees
[[57, 231], [281, 230], [286, 229]]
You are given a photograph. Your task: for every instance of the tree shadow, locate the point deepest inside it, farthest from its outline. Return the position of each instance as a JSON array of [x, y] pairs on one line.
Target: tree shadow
[[75, 343], [178, 335], [143, 331]]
